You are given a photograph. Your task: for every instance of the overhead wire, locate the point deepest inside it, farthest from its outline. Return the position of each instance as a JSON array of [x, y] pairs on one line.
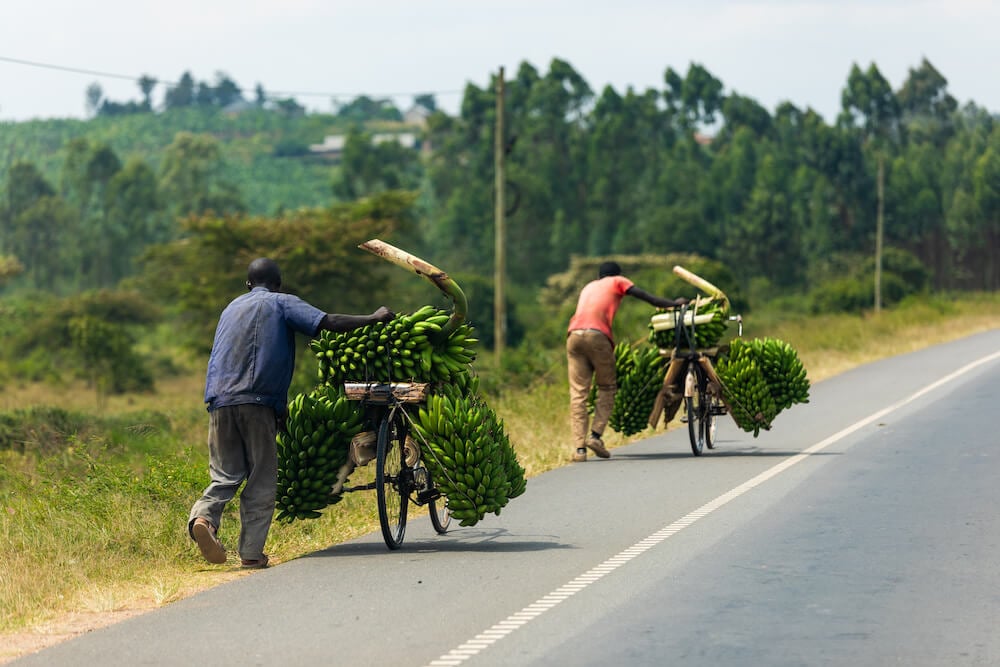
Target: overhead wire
[[280, 93]]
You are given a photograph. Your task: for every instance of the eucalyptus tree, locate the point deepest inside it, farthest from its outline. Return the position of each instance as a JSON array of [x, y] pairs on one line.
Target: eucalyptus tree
[[134, 219], [146, 85], [868, 102], [695, 99], [926, 106], [628, 138], [548, 114], [460, 179], [34, 222], [191, 180]]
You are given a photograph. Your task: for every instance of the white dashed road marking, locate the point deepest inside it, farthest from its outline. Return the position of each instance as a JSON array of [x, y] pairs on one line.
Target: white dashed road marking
[[487, 638]]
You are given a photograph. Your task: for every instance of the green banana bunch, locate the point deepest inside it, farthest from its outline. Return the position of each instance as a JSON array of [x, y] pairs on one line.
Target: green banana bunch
[[705, 335], [640, 376], [760, 378], [311, 450], [466, 449], [410, 347], [783, 371]]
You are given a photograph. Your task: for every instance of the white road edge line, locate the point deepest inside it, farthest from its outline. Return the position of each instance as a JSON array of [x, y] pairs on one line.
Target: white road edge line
[[517, 620]]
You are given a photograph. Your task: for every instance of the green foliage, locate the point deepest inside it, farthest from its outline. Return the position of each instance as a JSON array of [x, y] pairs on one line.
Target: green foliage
[[315, 248], [846, 282], [47, 430], [770, 194], [481, 296], [92, 336]]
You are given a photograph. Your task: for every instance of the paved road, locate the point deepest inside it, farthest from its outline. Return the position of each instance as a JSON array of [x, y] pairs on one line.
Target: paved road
[[861, 530]]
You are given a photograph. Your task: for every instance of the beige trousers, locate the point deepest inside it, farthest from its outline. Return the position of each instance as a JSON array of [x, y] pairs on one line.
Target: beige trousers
[[590, 356]]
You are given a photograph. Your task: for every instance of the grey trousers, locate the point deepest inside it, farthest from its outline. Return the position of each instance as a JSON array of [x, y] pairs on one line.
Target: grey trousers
[[241, 448], [590, 357]]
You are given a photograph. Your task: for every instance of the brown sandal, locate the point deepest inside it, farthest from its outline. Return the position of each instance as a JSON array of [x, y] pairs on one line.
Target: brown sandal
[[258, 564], [204, 534]]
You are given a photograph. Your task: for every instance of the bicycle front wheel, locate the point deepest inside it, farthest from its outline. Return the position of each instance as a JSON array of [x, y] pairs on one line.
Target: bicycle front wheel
[[392, 481]]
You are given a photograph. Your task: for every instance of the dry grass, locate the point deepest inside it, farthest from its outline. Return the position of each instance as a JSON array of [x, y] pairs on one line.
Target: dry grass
[[80, 597]]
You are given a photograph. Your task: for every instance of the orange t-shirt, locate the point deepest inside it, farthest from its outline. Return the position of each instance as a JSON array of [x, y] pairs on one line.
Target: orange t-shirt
[[598, 303]]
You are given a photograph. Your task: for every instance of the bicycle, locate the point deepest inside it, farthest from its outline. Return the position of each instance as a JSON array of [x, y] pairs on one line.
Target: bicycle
[[702, 395], [400, 477]]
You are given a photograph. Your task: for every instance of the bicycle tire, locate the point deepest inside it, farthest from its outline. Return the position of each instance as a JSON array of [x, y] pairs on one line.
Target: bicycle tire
[[699, 412], [392, 481], [711, 423], [440, 516]]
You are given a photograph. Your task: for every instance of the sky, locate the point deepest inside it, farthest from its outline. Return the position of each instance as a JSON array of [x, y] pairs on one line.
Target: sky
[[319, 51]]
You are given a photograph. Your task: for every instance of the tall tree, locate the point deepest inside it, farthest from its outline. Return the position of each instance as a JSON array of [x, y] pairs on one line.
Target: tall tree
[[191, 177], [869, 101], [926, 105], [182, 94], [147, 84]]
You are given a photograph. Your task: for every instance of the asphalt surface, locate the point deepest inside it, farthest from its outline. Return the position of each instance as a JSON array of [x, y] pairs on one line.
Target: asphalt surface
[[861, 530]]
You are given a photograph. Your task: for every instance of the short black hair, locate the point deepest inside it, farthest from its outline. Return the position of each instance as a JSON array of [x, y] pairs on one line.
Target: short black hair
[[264, 272], [609, 269]]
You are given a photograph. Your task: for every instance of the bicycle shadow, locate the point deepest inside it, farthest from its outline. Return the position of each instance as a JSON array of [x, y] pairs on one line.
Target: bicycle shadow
[[457, 540], [755, 452]]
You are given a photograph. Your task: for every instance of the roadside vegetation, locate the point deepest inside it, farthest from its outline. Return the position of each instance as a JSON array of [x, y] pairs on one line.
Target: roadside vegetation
[[122, 238], [94, 502]]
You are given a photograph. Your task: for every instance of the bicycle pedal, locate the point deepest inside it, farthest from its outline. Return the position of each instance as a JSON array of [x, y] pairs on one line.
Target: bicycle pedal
[[427, 495]]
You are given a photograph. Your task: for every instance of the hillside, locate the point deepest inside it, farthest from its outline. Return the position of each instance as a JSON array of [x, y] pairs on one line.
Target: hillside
[[264, 151]]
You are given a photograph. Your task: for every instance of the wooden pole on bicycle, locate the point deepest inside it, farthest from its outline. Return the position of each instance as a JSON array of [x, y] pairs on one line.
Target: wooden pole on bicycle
[[437, 277]]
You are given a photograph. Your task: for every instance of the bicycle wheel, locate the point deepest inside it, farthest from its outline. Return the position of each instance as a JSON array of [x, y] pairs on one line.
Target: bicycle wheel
[[440, 516], [711, 423], [699, 411], [392, 480]]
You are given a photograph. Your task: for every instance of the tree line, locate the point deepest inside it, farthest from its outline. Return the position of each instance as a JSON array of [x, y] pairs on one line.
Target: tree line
[[789, 202], [782, 203], [785, 199]]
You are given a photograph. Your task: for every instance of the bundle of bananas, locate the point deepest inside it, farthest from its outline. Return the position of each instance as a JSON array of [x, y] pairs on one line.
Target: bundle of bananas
[[311, 450], [707, 334], [408, 347], [783, 371], [760, 378], [640, 376], [468, 454]]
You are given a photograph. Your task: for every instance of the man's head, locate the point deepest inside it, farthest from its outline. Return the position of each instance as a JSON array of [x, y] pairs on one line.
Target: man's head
[[609, 269], [264, 272]]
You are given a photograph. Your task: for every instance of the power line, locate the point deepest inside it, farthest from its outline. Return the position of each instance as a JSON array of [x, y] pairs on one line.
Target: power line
[[285, 93]]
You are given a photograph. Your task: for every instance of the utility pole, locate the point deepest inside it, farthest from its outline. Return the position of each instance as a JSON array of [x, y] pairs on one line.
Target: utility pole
[[500, 253], [879, 230]]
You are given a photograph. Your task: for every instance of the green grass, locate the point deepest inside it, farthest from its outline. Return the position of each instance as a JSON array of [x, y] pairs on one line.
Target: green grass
[[94, 504]]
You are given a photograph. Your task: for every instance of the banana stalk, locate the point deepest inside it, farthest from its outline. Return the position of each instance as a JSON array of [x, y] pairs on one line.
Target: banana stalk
[[703, 285], [440, 279]]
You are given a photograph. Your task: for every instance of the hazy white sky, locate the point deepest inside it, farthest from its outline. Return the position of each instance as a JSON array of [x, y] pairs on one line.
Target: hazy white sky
[[773, 51]]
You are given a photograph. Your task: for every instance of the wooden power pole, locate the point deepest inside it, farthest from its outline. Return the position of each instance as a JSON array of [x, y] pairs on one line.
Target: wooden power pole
[[500, 253]]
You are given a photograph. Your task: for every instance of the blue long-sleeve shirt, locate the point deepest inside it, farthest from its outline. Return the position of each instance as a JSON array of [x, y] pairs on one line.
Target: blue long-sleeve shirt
[[253, 355]]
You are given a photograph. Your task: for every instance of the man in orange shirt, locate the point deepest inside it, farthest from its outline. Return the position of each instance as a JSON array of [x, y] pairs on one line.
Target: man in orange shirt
[[590, 354]]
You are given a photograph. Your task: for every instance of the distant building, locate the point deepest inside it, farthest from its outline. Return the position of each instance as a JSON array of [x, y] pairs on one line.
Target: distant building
[[417, 115], [333, 144]]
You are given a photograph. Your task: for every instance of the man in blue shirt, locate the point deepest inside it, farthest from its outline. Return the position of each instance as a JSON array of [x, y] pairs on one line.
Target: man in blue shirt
[[246, 391]]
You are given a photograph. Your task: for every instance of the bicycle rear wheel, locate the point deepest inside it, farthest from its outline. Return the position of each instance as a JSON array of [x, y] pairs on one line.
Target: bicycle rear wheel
[[392, 480], [699, 412], [440, 516]]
